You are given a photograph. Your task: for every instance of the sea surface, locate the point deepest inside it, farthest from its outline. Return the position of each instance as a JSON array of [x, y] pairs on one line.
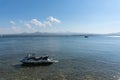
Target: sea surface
[[92, 58]]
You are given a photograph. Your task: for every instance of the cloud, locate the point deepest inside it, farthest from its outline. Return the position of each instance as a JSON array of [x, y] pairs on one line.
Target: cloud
[[29, 28], [33, 25], [12, 22], [49, 22], [53, 20], [37, 22]]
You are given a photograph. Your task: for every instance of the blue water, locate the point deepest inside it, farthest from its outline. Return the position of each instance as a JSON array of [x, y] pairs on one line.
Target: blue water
[[93, 58]]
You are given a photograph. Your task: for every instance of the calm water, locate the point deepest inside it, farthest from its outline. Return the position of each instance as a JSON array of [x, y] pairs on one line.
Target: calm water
[[93, 58]]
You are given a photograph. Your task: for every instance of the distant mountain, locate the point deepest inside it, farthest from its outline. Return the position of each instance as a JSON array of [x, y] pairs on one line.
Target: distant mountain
[[64, 33], [114, 34], [49, 34]]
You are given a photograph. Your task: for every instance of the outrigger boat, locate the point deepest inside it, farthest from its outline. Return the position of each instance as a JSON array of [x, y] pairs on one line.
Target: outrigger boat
[[33, 60]]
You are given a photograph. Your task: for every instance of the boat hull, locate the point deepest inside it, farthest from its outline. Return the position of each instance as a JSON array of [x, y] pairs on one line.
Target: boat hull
[[39, 62], [36, 64]]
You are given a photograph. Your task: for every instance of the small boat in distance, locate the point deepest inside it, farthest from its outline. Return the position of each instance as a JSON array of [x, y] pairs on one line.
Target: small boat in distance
[[86, 36], [31, 59]]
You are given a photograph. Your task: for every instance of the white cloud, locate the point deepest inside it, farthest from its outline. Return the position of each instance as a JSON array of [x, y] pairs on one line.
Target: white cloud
[[12, 22], [37, 22], [49, 22], [33, 25], [53, 20], [29, 28]]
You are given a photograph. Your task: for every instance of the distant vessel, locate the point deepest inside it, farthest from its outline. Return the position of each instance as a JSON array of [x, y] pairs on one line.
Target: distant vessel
[[33, 60], [86, 36]]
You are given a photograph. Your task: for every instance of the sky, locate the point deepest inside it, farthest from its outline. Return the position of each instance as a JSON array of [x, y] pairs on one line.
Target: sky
[[57, 16]]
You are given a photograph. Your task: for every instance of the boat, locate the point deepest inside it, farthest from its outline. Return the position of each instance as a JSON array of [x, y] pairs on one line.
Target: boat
[[33, 60], [86, 36]]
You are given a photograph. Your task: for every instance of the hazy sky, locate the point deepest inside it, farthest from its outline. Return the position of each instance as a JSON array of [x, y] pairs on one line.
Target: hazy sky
[[88, 16]]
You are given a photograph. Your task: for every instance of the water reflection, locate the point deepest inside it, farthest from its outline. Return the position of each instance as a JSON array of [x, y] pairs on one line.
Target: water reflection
[[29, 65]]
